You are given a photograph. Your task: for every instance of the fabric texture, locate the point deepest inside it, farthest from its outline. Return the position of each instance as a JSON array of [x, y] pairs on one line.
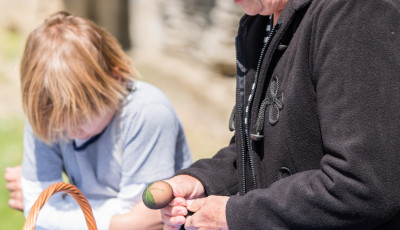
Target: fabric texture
[[144, 142], [329, 153]]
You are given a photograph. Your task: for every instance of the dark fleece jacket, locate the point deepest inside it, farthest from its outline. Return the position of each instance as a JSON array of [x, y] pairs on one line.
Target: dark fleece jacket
[[328, 151]]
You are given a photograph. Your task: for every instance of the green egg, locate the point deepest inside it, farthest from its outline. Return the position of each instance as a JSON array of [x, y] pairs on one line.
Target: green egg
[[157, 195]]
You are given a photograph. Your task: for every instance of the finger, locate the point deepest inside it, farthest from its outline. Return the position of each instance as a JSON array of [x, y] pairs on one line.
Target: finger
[[166, 211], [13, 171], [174, 211], [174, 187], [16, 195], [12, 186], [173, 216], [195, 205], [178, 188], [12, 174], [178, 201], [175, 221], [16, 204], [167, 227]]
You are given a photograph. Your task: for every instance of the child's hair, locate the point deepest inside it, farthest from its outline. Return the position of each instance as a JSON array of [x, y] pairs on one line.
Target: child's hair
[[71, 71]]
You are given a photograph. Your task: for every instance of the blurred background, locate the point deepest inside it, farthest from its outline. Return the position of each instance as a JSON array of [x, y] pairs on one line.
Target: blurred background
[[184, 47]]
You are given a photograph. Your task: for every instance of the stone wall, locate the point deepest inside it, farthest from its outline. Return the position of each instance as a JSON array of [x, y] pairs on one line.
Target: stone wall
[[110, 14], [202, 30]]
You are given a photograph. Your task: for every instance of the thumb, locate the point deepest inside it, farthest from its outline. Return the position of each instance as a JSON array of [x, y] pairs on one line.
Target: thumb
[[196, 204], [179, 189], [176, 190]]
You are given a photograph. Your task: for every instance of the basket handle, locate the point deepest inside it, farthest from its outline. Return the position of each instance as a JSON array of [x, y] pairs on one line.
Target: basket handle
[[60, 187]]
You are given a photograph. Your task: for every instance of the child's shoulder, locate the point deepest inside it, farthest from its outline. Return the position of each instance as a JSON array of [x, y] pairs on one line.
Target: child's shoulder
[[144, 96], [146, 93], [145, 88], [147, 104]]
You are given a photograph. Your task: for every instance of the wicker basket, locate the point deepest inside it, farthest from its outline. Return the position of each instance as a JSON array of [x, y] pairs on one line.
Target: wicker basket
[[60, 187]]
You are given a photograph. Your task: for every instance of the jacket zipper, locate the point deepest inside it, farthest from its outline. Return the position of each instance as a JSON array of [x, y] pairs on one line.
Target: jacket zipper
[[248, 107], [240, 103]]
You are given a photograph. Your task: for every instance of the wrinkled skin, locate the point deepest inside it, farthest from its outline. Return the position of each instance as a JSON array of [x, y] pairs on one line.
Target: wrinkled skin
[[262, 7], [209, 213], [184, 188]]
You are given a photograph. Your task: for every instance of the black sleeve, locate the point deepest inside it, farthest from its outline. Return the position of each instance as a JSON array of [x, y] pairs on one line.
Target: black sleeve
[[218, 174]]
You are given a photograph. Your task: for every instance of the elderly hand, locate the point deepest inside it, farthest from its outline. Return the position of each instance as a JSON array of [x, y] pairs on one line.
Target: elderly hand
[[184, 187], [13, 178], [209, 213]]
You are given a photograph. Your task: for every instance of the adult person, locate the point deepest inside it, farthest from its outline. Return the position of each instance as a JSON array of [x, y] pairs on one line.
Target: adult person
[[317, 131]]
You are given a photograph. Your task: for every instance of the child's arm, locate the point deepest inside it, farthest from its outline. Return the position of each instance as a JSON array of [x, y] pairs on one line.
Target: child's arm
[[150, 154], [140, 217]]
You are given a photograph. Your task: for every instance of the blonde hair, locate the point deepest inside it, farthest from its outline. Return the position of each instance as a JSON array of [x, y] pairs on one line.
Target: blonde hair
[[71, 71]]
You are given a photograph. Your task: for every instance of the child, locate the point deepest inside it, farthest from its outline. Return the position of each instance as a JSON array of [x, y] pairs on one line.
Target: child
[[86, 116]]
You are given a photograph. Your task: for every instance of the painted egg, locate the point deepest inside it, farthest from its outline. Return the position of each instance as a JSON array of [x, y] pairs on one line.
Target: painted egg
[[157, 195]]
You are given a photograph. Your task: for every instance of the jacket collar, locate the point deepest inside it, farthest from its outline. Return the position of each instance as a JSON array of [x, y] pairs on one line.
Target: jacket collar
[[290, 9], [299, 4]]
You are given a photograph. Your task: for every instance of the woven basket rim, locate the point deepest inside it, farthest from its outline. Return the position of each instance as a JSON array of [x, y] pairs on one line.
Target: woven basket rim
[[70, 189]]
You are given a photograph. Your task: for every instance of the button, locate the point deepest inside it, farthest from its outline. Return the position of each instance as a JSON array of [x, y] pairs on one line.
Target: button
[[284, 172], [257, 136]]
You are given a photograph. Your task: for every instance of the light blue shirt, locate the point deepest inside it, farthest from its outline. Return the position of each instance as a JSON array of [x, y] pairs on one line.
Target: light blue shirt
[[144, 142]]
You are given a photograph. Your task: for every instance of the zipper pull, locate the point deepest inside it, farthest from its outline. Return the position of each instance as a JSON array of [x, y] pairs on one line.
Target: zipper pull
[[232, 120], [257, 136], [282, 47]]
